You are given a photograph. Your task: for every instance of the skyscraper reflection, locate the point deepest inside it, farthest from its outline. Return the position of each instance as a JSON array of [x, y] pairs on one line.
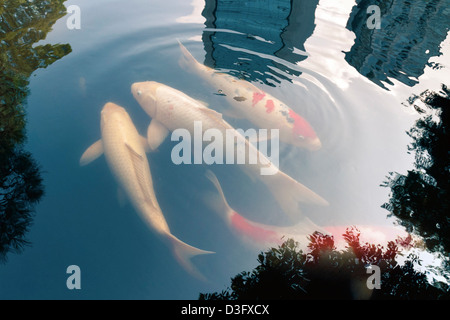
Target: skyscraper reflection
[[411, 33], [258, 30]]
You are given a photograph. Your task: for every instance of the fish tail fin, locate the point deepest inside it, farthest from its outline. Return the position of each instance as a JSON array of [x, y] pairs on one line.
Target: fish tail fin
[[184, 252], [219, 202], [187, 61], [289, 193], [250, 230]]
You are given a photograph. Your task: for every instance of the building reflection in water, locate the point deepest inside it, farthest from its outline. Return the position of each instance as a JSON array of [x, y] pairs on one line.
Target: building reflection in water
[[411, 33], [259, 29]]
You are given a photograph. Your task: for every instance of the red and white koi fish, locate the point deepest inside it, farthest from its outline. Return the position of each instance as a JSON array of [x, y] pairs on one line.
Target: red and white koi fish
[[125, 153], [254, 232], [259, 107], [171, 109], [269, 235]]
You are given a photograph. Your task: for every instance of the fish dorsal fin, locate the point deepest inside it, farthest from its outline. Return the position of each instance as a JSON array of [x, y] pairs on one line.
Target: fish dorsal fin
[[138, 162], [92, 153], [156, 134], [212, 113]]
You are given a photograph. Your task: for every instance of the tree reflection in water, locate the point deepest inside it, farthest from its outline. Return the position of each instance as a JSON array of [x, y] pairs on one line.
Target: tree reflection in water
[[22, 24], [286, 272], [420, 198]]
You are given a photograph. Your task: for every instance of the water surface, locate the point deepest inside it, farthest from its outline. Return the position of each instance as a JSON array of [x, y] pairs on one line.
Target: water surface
[[319, 57]]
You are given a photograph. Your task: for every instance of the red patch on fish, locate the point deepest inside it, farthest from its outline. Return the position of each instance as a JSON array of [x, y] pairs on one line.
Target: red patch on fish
[[270, 106], [257, 97], [301, 126], [257, 233]]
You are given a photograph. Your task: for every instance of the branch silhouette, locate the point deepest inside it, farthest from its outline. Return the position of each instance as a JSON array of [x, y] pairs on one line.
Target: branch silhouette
[[22, 24]]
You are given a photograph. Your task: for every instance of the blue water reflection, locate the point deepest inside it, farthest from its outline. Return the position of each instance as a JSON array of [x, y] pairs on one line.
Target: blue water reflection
[[316, 56], [410, 33], [277, 28]]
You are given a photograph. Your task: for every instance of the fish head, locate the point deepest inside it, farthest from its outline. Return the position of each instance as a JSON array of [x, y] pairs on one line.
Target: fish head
[[303, 135], [112, 112], [146, 95]]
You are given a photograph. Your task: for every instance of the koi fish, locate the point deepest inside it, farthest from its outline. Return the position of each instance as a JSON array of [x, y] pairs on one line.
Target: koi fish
[[269, 235], [259, 107], [171, 109], [254, 232], [125, 153]]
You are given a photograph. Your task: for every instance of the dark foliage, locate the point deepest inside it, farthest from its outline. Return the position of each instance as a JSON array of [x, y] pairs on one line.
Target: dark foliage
[[420, 198], [22, 24], [326, 273]]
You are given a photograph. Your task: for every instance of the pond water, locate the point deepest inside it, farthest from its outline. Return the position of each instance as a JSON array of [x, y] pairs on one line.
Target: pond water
[[319, 57]]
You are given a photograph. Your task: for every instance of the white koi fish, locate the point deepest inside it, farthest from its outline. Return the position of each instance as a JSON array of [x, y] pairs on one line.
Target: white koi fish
[[171, 109], [125, 153], [259, 107]]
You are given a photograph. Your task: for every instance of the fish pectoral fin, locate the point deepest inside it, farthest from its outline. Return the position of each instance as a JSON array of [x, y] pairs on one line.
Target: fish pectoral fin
[[145, 145], [156, 134], [92, 153]]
